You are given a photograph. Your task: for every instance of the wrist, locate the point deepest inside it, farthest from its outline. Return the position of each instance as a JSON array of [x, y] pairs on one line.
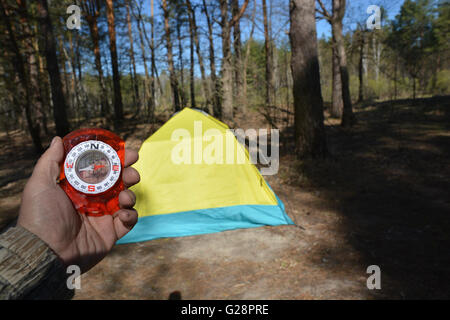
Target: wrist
[[30, 268]]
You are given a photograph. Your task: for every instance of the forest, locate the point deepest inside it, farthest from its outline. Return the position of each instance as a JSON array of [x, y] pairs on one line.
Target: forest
[[143, 59], [358, 89]]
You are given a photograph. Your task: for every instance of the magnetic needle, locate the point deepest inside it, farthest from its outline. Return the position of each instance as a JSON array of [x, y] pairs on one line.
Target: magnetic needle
[[91, 174]]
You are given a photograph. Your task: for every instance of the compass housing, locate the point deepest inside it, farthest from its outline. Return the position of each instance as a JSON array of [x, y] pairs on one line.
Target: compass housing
[[91, 174]]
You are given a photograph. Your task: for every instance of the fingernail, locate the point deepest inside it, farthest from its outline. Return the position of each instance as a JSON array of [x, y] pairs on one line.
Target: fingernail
[[53, 141]]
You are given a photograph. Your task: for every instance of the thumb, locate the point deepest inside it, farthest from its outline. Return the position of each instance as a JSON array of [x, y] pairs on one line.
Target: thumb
[[48, 165]]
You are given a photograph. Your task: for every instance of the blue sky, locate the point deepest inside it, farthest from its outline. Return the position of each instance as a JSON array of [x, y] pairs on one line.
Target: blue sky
[[356, 12], [279, 11]]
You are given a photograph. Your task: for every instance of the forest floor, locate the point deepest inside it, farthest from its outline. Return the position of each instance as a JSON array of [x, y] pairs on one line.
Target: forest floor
[[380, 198]]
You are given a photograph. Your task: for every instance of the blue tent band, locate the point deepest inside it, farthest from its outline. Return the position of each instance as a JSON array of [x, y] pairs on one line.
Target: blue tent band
[[204, 221]]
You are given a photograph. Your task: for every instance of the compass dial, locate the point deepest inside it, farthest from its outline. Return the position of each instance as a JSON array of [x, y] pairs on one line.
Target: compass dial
[[92, 167]]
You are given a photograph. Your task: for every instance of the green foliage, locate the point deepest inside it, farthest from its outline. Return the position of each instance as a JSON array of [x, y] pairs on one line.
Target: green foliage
[[412, 34], [443, 82]]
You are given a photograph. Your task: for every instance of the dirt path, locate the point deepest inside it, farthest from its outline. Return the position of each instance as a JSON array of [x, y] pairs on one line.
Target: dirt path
[[380, 198], [312, 261]]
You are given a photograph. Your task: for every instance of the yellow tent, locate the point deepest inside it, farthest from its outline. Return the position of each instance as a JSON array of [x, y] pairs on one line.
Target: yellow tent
[[197, 178]]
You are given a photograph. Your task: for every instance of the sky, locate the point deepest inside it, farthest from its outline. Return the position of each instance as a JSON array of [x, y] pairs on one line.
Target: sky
[[356, 12], [279, 12]]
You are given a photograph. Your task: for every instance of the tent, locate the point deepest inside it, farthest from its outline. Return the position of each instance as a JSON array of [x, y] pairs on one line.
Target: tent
[[197, 178]]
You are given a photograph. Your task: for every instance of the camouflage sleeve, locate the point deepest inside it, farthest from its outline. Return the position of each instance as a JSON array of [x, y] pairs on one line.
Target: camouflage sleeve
[[29, 269]]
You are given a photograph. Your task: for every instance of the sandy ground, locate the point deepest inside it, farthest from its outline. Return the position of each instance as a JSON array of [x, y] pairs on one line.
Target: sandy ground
[[380, 198]]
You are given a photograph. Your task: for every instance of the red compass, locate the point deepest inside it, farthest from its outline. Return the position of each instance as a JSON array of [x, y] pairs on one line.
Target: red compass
[[91, 174]]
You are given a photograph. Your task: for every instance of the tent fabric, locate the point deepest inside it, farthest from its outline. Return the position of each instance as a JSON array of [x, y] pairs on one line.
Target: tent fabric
[[214, 188]]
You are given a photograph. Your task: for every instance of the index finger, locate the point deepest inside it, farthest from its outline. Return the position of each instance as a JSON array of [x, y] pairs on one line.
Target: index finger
[[131, 157]]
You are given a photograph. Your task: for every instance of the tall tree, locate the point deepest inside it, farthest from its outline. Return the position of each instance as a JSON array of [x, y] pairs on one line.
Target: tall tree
[[148, 95], [18, 64], [238, 70], [217, 101], [412, 36], [337, 31], [246, 58], [270, 86], [337, 104], [118, 106], [227, 71], [133, 63], [191, 70], [152, 53], [308, 103], [194, 34], [179, 21], [59, 102], [91, 9], [172, 75], [335, 19], [361, 44]]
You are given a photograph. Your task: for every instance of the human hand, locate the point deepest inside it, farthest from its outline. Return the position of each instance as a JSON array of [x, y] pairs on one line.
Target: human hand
[[76, 238]]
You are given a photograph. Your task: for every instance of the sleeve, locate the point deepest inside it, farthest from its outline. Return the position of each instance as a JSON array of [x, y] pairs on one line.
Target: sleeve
[[29, 269]]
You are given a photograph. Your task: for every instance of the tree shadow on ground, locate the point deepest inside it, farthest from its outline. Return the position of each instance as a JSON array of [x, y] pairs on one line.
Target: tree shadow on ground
[[388, 177]]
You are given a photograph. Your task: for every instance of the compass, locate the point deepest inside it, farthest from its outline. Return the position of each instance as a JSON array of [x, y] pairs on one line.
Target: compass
[[91, 174]]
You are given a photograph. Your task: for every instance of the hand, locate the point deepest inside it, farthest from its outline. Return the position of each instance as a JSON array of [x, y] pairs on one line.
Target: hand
[[76, 238]]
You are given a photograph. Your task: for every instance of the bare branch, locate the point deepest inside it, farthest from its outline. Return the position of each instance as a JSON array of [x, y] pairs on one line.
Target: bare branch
[[324, 11]]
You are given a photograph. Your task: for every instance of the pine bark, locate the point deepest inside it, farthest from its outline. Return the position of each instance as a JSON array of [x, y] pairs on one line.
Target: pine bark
[[133, 62], [227, 69], [59, 102], [172, 76], [238, 66], [270, 91], [19, 67], [308, 103], [337, 104], [92, 11], [148, 96], [194, 34], [118, 106], [217, 101], [337, 31]]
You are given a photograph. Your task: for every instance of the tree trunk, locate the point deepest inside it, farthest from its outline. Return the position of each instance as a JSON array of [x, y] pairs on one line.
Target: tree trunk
[[238, 70], [19, 66], [181, 63], [337, 104], [152, 50], [59, 103], [173, 78], [118, 107], [270, 94], [395, 76], [227, 72], [31, 53], [193, 30], [191, 75], [336, 27], [147, 86], [308, 104], [92, 13], [62, 58], [133, 63], [217, 102], [245, 62], [361, 66]]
